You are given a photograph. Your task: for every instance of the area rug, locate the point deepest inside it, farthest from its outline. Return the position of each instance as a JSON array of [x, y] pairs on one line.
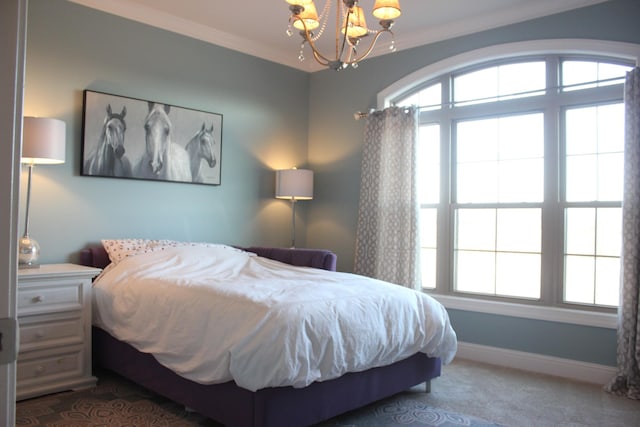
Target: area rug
[[400, 411], [116, 402]]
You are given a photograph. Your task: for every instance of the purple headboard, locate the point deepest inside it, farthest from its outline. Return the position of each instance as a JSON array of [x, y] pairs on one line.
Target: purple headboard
[[317, 258], [96, 256]]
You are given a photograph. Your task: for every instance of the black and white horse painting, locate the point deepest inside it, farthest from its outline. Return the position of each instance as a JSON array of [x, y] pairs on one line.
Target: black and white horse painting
[[109, 158], [163, 142], [162, 158]]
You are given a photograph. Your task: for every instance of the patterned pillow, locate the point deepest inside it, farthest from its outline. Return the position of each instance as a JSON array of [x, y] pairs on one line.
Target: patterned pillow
[[119, 249]]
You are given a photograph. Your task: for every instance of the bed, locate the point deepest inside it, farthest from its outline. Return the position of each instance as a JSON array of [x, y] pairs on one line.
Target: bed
[[241, 401]]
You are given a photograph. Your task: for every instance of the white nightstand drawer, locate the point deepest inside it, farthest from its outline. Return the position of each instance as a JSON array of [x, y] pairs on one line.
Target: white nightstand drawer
[[40, 299], [54, 319], [45, 331], [44, 367]]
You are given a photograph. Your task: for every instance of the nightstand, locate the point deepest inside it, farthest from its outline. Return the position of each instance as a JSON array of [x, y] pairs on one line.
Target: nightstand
[[54, 318]]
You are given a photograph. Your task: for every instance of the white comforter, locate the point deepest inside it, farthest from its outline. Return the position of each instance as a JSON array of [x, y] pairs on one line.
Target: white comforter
[[214, 313]]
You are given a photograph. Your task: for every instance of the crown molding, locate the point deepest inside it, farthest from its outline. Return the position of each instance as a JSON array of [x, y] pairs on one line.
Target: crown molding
[[153, 17]]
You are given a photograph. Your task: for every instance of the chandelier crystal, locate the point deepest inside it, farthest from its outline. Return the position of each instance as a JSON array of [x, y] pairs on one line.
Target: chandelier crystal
[[350, 29]]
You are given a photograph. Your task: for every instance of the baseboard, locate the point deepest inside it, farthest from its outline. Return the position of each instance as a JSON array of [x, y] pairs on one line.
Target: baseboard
[[537, 363]]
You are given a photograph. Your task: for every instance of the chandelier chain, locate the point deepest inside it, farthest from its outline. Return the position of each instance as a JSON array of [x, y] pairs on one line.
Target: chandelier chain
[[325, 12]]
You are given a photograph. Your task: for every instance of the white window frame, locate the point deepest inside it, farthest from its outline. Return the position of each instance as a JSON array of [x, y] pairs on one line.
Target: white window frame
[[624, 51]]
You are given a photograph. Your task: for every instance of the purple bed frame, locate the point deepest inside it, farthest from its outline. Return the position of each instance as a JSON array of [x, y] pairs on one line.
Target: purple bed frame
[[270, 407]]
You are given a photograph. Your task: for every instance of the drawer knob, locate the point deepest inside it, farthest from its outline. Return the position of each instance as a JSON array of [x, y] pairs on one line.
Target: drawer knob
[[38, 298], [41, 334], [39, 370]]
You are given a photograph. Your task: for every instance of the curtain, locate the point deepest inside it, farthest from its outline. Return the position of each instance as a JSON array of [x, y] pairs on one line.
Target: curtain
[[387, 235], [627, 380]]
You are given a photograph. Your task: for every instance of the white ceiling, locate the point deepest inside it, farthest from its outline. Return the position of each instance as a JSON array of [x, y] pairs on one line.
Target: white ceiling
[[258, 27]]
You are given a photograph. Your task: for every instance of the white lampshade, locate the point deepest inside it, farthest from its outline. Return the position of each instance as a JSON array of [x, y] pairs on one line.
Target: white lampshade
[[43, 141], [298, 2], [310, 17], [356, 25], [296, 184], [387, 9]]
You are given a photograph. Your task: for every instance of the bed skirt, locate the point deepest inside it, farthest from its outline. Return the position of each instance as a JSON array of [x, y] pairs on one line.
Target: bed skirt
[[270, 407]]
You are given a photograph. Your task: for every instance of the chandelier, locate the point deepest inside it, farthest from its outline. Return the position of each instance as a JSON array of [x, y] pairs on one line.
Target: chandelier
[[350, 29]]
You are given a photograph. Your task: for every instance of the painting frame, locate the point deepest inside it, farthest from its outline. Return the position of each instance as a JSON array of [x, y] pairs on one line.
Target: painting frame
[[131, 138]]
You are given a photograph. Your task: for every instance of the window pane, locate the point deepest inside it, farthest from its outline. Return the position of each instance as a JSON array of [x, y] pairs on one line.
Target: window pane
[[413, 99], [429, 98], [592, 280], [590, 72], [611, 71], [478, 86], [477, 182], [598, 129], [507, 242], [610, 128], [609, 232], [429, 164], [607, 281], [500, 83], [593, 231], [527, 78], [582, 181], [500, 159], [575, 72], [580, 231], [428, 268], [594, 141], [592, 255], [475, 272], [581, 131], [579, 279], [518, 275], [521, 180], [519, 230], [521, 137], [428, 245], [476, 229], [477, 140], [610, 176]]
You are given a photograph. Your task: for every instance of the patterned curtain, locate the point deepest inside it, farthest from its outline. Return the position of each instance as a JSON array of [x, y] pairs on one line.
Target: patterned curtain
[[387, 236], [627, 380]]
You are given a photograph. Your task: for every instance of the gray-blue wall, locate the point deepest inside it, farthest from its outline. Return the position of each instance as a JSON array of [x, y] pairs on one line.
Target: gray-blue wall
[[264, 106], [274, 117], [335, 140]]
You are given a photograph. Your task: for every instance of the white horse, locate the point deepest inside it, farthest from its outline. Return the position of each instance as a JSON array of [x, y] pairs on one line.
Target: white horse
[[108, 159], [201, 147], [162, 158]]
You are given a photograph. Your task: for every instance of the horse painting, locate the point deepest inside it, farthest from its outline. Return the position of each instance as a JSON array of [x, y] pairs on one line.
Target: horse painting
[[162, 158], [201, 147], [108, 159]]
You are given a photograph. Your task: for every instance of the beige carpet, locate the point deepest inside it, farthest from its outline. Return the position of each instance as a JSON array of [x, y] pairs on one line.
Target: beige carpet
[[480, 392], [518, 399]]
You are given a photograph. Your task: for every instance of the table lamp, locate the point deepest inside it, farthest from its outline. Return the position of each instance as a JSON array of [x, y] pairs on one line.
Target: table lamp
[[294, 184], [43, 143]]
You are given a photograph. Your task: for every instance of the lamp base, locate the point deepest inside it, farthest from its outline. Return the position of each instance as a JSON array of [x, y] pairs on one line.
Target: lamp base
[[28, 253]]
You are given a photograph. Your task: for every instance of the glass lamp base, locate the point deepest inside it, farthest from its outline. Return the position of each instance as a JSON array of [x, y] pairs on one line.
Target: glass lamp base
[[28, 253]]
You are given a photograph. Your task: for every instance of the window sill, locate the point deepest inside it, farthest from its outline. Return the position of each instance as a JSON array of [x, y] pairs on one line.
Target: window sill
[[551, 314]]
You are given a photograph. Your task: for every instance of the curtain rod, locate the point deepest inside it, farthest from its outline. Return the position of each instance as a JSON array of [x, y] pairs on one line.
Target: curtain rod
[[360, 115], [363, 115]]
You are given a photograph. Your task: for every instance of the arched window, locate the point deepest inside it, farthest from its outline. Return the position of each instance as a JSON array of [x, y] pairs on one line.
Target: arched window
[[520, 172]]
